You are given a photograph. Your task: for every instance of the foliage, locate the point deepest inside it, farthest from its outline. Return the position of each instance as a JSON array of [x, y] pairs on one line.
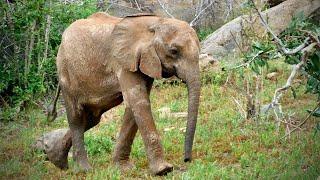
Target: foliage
[[27, 64], [97, 144], [204, 33], [263, 51]]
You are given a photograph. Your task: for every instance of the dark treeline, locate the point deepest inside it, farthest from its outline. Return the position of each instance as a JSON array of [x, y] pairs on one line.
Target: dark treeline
[[30, 34]]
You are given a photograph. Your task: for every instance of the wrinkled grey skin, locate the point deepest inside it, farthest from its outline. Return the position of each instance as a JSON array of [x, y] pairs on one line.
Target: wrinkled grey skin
[[103, 61]]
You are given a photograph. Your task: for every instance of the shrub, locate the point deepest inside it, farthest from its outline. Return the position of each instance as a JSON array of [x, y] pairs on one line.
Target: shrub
[[28, 68]]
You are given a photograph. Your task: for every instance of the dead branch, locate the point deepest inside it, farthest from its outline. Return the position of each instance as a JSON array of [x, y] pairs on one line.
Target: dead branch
[[240, 108], [303, 122], [288, 123], [312, 36], [246, 64], [195, 20], [165, 9], [278, 40], [278, 92], [304, 48], [229, 8], [137, 4]]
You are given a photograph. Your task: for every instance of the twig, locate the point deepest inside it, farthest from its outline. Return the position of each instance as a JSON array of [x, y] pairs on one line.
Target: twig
[[229, 8], [278, 92], [192, 23], [165, 10], [242, 111], [4, 102], [313, 37], [282, 46], [290, 124], [246, 64], [137, 4], [303, 122], [108, 8]]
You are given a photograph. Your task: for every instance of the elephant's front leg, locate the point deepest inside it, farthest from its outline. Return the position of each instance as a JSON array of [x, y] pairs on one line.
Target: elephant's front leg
[[124, 142], [135, 91]]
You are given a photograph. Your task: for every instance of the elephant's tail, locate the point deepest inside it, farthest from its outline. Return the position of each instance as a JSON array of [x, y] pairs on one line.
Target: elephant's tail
[[52, 109]]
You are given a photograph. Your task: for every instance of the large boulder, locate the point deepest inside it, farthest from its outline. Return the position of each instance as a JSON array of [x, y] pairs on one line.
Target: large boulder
[[222, 42]]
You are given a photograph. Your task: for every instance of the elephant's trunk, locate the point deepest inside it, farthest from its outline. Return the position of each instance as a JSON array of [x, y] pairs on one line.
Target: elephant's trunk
[[194, 85]]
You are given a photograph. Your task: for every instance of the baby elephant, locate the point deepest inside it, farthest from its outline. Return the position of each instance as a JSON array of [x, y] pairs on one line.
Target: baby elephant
[[104, 60]]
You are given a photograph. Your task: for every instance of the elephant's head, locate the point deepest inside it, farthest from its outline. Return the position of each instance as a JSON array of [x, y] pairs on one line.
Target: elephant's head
[[161, 47]]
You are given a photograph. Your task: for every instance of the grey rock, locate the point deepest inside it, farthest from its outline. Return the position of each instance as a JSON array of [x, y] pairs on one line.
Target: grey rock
[[222, 42], [48, 140], [56, 144]]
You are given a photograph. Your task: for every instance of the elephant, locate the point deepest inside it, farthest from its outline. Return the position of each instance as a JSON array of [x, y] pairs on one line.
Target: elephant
[[103, 61]]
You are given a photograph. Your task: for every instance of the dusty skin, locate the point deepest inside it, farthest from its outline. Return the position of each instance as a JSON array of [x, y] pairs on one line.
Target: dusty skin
[[103, 61]]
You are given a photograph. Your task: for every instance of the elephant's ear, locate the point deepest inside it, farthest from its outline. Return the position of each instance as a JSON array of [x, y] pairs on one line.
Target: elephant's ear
[[132, 45]]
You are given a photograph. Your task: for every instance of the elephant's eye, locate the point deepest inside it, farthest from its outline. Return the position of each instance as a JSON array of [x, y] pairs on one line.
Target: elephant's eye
[[174, 52]]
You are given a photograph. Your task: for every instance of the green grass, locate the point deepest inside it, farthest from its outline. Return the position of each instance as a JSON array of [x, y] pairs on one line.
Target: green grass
[[204, 33], [226, 146]]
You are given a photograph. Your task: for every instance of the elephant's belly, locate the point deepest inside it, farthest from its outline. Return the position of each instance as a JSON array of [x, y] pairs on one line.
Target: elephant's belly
[[100, 91], [104, 102], [99, 105]]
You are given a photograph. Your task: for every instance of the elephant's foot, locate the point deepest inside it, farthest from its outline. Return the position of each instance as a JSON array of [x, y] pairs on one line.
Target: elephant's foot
[[160, 168], [124, 165], [82, 166]]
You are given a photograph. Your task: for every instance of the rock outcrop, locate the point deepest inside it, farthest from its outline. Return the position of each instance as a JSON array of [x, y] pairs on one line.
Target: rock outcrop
[[222, 41]]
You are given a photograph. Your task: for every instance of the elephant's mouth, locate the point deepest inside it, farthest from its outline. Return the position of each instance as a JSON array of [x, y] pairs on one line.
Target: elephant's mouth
[[167, 73]]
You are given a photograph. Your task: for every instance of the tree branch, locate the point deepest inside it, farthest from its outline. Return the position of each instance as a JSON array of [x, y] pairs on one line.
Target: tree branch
[[165, 9], [194, 21], [278, 92], [303, 122], [279, 42]]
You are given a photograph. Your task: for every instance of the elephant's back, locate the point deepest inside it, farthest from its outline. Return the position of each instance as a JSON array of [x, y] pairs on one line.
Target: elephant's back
[[85, 41], [104, 18], [97, 27], [82, 54]]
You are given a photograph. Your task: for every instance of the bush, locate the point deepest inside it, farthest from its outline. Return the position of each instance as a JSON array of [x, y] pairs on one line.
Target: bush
[[299, 29], [204, 33], [28, 69], [97, 144]]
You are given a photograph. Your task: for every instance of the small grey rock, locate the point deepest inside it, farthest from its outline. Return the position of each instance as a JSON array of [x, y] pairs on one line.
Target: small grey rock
[[46, 141]]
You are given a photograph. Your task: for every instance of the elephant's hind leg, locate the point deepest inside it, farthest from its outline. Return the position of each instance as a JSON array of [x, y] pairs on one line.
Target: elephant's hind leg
[[58, 155], [125, 140], [80, 119], [77, 124]]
